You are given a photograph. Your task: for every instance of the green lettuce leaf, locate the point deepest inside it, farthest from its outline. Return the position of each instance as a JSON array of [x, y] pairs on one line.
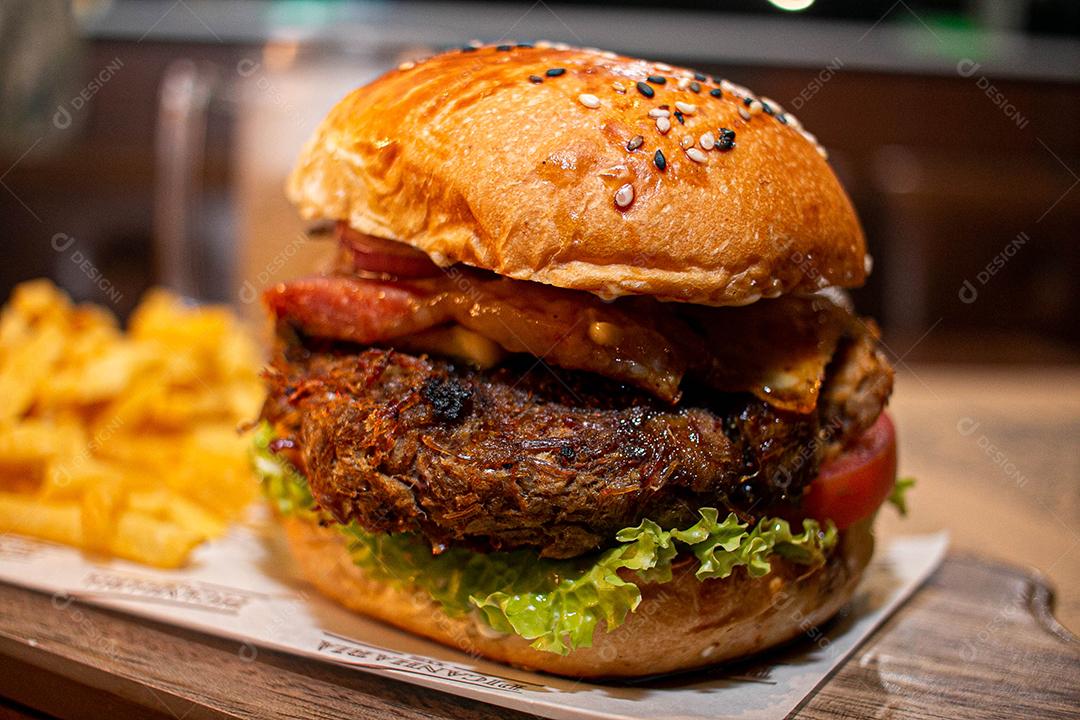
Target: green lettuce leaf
[[558, 604], [898, 496], [282, 484]]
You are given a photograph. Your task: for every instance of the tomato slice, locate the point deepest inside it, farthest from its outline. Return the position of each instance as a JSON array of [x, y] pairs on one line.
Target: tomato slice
[[853, 486]]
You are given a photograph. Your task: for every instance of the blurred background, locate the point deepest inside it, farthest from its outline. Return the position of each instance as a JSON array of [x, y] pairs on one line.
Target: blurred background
[[147, 142]]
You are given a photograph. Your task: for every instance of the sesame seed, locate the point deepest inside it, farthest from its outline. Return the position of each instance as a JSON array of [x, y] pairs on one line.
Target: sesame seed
[[683, 83], [663, 67], [686, 141], [775, 106], [747, 100], [755, 108], [782, 118], [535, 79], [767, 108], [658, 112], [686, 108], [657, 79], [744, 114], [589, 100], [555, 72], [635, 142], [726, 139], [543, 44], [695, 87], [696, 155], [700, 77], [468, 48], [822, 152], [504, 48], [679, 117], [707, 141], [645, 90], [659, 160], [406, 66], [619, 87], [663, 125], [716, 92], [524, 45], [624, 195]]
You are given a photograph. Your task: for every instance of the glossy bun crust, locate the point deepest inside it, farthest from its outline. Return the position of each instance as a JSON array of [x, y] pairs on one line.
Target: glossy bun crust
[[679, 625], [467, 158]]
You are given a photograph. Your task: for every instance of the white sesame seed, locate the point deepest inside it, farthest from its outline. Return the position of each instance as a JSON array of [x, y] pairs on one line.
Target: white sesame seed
[[686, 141], [624, 195], [589, 100], [659, 113], [708, 142], [683, 83], [407, 65], [822, 152], [755, 107], [663, 125], [685, 108], [743, 114], [793, 121], [696, 155], [608, 54], [663, 67], [560, 46], [619, 87], [543, 44]]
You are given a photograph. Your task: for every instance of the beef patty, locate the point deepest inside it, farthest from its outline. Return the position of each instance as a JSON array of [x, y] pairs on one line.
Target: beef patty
[[526, 456]]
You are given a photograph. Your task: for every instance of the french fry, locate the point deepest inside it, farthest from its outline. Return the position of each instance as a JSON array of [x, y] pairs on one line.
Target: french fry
[[24, 515], [118, 442], [150, 541], [168, 505], [101, 505]]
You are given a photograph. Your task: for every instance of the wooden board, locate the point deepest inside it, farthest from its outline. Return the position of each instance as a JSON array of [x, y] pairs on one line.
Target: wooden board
[[978, 640]]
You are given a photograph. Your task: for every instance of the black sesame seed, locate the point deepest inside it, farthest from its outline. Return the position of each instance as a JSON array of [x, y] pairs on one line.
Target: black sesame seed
[[504, 48], [700, 76], [725, 139], [555, 72], [782, 118], [635, 142], [680, 118], [468, 48], [657, 79], [767, 108], [747, 100], [659, 160], [535, 79], [645, 90], [716, 92], [717, 80], [695, 87], [524, 45]]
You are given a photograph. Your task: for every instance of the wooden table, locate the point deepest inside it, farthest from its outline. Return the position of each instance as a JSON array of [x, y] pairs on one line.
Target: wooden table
[[998, 464]]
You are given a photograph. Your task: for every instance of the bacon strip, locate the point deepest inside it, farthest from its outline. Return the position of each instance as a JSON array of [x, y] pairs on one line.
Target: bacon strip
[[547, 323], [775, 349]]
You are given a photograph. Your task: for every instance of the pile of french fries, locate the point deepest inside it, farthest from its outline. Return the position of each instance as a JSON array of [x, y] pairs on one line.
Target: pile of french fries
[[124, 444]]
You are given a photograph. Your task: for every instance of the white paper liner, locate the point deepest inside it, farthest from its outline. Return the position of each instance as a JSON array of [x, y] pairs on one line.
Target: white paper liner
[[244, 587]]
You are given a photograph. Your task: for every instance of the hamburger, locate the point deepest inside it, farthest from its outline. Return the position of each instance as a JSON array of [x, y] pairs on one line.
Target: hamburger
[[582, 391]]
